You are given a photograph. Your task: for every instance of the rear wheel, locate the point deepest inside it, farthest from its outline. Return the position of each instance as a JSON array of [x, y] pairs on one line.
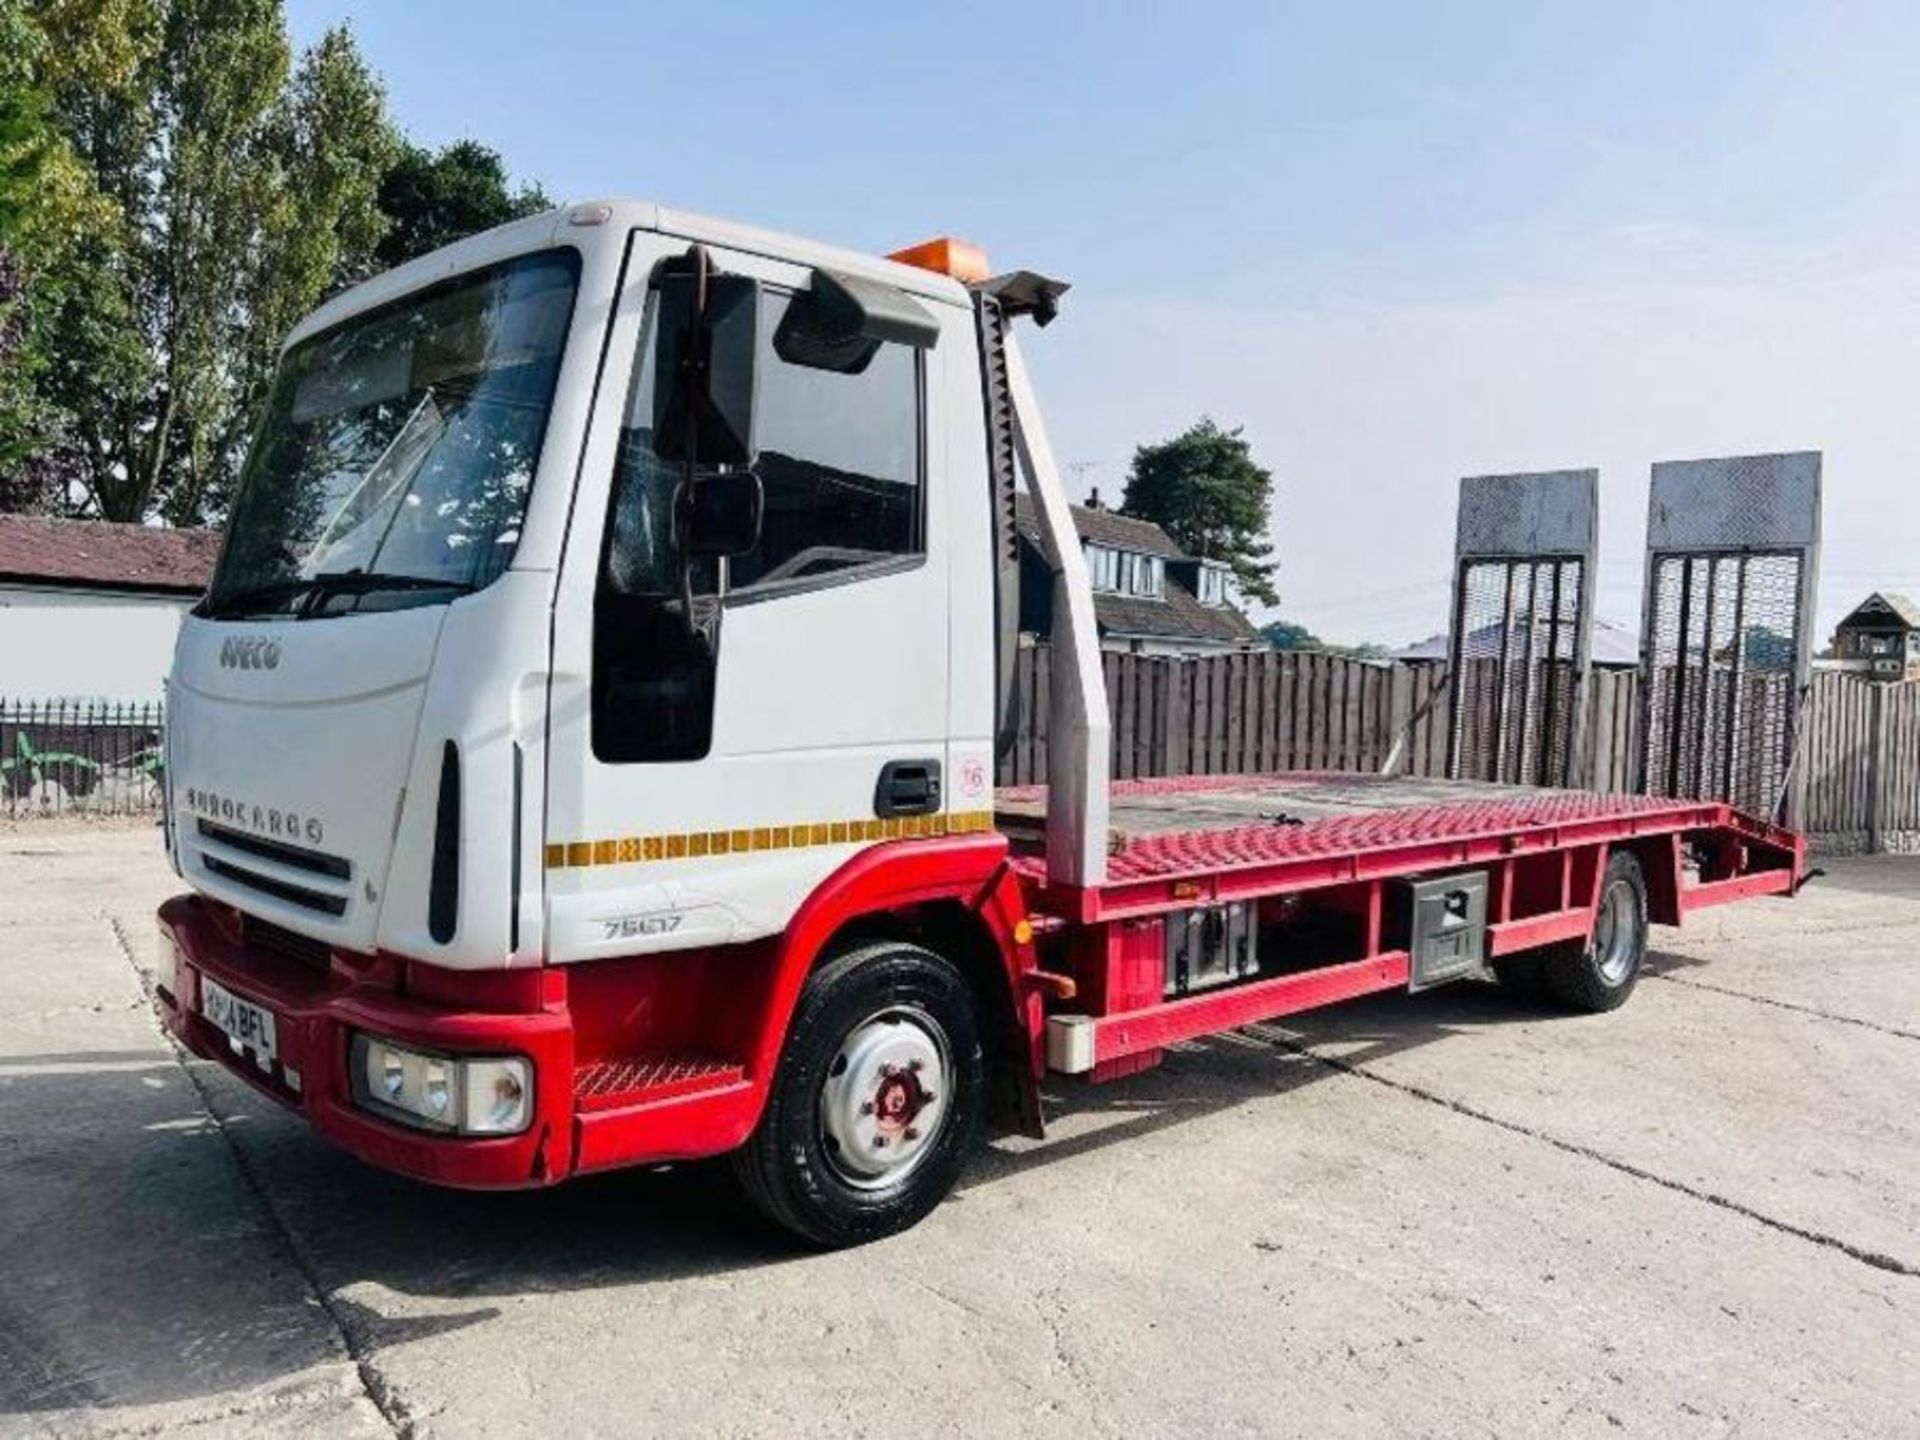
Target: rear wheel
[[877, 1102], [1519, 976], [1598, 973]]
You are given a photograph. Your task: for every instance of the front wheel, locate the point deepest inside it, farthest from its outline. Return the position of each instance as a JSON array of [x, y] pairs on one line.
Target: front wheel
[[877, 1102]]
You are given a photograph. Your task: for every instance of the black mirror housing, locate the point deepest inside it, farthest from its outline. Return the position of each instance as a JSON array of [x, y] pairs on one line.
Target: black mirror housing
[[724, 513], [841, 320], [705, 369]]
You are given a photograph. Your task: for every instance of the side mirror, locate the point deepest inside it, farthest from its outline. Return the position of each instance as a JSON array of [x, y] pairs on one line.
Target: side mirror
[[724, 513], [840, 321], [704, 369]]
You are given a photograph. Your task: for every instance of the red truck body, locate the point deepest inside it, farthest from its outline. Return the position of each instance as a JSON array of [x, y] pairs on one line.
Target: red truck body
[[669, 1057]]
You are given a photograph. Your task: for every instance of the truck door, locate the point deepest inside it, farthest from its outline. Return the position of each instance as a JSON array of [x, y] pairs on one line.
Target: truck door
[[696, 798]]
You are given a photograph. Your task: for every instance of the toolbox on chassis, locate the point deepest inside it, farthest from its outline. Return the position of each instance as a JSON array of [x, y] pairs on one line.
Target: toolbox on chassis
[[583, 755]]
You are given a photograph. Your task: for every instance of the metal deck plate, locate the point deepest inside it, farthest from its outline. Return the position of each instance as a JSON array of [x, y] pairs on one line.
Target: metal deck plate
[[1222, 802], [1195, 824]]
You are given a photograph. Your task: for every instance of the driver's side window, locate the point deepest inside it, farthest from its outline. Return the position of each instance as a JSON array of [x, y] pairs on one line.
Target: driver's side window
[[840, 460], [841, 465]]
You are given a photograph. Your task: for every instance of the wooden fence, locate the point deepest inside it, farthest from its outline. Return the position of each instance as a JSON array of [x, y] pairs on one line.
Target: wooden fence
[[1856, 780], [1856, 785], [1859, 775], [1289, 710]]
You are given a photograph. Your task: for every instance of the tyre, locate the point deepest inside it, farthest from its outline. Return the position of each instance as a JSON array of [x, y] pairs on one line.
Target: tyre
[[877, 1102], [1598, 973], [1519, 976]]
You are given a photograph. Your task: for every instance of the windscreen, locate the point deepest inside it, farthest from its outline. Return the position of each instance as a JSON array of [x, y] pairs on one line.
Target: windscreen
[[395, 459]]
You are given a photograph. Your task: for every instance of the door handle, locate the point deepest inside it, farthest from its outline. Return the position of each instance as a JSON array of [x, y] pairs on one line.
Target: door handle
[[907, 787]]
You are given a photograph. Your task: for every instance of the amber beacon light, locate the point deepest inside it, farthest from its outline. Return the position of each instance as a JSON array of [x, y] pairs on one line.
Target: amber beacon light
[[965, 262]]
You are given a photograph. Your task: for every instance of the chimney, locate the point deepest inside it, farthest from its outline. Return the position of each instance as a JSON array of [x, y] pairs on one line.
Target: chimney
[[1093, 498]]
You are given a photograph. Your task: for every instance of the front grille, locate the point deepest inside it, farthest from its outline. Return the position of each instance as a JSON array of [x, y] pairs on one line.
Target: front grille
[[279, 889], [279, 851], [263, 865], [275, 940]]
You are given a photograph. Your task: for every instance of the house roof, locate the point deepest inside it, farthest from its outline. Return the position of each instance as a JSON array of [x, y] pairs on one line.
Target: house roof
[[1102, 527], [1880, 607], [99, 554], [1176, 614]]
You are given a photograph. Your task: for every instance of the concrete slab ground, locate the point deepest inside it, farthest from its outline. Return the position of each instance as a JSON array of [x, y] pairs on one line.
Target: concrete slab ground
[[1442, 1215]]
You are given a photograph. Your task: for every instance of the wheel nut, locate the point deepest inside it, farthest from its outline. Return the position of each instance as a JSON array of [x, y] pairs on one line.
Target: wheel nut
[[911, 1133], [866, 1107], [916, 1066], [879, 1142]]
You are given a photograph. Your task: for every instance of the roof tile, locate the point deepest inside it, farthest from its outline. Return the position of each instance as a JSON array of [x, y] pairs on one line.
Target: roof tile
[[100, 553]]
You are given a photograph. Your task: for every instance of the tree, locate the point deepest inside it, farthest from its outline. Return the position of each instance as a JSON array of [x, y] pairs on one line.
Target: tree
[[49, 207], [327, 143], [432, 200], [1203, 488], [226, 193], [1286, 635]]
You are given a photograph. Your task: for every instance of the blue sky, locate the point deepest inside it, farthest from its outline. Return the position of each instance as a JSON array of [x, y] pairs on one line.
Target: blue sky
[[1399, 243]]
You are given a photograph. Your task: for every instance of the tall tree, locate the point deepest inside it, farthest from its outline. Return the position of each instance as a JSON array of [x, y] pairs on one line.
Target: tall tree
[[52, 216], [1203, 488], [433, 199], [324, 145], [233, 191]]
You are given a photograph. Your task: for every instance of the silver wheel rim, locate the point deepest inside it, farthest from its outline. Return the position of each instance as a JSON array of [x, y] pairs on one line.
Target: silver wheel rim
[[885, 1098], [1613, 932]]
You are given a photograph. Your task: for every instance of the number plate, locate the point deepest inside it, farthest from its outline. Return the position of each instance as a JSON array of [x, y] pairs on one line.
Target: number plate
[[249, 1026]]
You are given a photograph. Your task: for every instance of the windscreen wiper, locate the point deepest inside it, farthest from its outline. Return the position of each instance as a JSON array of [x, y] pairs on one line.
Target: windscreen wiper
[[312, 591], [247, 598], [372, 582]]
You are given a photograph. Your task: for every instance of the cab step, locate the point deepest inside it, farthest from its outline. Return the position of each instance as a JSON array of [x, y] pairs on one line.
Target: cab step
[[642, 1079]]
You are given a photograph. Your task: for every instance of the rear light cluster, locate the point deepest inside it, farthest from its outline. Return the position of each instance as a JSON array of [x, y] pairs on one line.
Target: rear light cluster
[[456, 1094]]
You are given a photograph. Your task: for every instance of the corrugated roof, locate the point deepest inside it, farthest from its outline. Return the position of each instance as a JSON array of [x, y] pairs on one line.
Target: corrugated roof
[[103, 555], [1612, 644]]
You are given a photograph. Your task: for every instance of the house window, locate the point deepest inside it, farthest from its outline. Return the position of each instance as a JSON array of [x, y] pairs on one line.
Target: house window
[[1103, 567], [1126, 572], [1213, 585]]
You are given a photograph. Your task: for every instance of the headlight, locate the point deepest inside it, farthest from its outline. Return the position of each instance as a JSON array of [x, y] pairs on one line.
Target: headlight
[[462, 1094]]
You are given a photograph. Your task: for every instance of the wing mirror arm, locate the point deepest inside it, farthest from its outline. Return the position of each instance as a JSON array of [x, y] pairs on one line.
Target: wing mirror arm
[[704, 404]]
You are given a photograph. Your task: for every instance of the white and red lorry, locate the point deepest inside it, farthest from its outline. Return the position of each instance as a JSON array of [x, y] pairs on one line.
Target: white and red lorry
[[584, 754]]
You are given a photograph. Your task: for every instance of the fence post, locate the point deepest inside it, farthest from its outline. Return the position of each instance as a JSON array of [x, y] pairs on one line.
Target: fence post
[[1876, 769], [1399, 717]]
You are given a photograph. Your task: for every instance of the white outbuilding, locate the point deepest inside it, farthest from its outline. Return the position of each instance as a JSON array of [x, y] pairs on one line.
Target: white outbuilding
[[88, 608]]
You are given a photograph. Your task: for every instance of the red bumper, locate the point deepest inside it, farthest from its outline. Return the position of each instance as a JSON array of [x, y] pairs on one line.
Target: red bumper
[[318, 1009]]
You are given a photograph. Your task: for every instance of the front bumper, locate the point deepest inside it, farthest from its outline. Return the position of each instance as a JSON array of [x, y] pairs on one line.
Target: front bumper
[[316, 1010]]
